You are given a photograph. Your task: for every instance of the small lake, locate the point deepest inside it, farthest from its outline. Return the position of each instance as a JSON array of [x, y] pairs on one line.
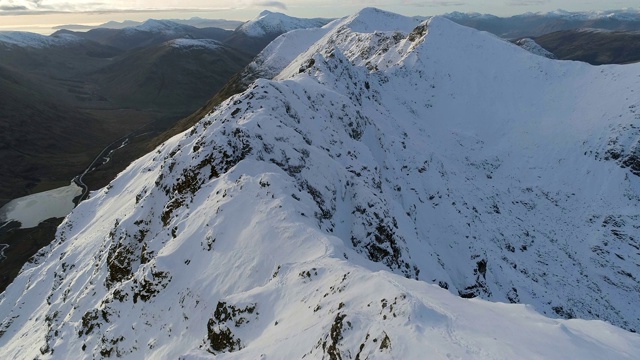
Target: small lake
[[32, 209]]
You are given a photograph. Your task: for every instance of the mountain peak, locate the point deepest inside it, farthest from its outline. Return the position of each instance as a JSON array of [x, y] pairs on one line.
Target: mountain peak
[[373, 19], [273, 23]]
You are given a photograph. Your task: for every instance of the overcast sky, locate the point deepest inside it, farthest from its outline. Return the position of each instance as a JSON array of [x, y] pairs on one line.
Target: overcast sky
[[30, 13]]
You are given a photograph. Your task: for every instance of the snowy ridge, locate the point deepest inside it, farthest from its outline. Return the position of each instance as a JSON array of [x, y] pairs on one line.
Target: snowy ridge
[[27, 39], [294, 220], [277, 23], [606, 31], [533, 47], [456, 15], [186, 44], [592, 30], [281, 51], [629, 14]]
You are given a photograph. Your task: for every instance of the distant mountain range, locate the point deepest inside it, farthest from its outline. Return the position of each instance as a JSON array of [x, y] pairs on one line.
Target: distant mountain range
[[254, 35], [599, 37], [537, 24], [149, 33], [194, 21]]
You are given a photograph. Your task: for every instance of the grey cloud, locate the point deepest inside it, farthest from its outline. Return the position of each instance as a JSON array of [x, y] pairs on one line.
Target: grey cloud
[[101, 11], [433, 3], [272, 4], [33, 7], [12, 8], [527, 2]]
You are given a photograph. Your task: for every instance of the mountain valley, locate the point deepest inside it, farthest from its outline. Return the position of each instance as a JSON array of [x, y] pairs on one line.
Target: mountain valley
[[594, 46]]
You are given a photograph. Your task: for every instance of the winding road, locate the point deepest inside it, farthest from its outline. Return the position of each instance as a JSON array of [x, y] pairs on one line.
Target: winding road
[[3, 247], [102, 158]]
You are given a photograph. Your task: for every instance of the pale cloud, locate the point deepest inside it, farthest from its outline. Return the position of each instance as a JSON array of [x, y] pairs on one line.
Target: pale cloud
[[415, 3], [303, 8], [16, 7], [48, 6]]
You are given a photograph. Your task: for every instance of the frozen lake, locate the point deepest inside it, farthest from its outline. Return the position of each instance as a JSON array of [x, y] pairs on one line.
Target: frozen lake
[[32, 209]]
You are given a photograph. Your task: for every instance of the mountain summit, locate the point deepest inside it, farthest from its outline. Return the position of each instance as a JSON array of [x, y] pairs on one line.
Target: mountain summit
[[347, 208], [268, 23]]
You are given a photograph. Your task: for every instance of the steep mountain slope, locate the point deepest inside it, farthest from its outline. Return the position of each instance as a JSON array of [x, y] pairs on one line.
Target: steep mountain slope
[[268, 63], [293, 220], [595, 46]]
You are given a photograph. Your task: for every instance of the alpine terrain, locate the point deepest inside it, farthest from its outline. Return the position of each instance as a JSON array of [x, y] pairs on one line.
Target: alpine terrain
[[388, 189]]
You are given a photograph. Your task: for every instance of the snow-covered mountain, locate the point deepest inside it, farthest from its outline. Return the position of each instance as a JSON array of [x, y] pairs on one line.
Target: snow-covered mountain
[[457, 15], [194, 21], [323, 213], [27, 39], [254, 35], [632, 14], [151, 32], [268, 23]]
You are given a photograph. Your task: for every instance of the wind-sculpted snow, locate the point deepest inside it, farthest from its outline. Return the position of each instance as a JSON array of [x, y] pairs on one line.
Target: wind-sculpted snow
[[531, 46], [188, 44], [319, 215]]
